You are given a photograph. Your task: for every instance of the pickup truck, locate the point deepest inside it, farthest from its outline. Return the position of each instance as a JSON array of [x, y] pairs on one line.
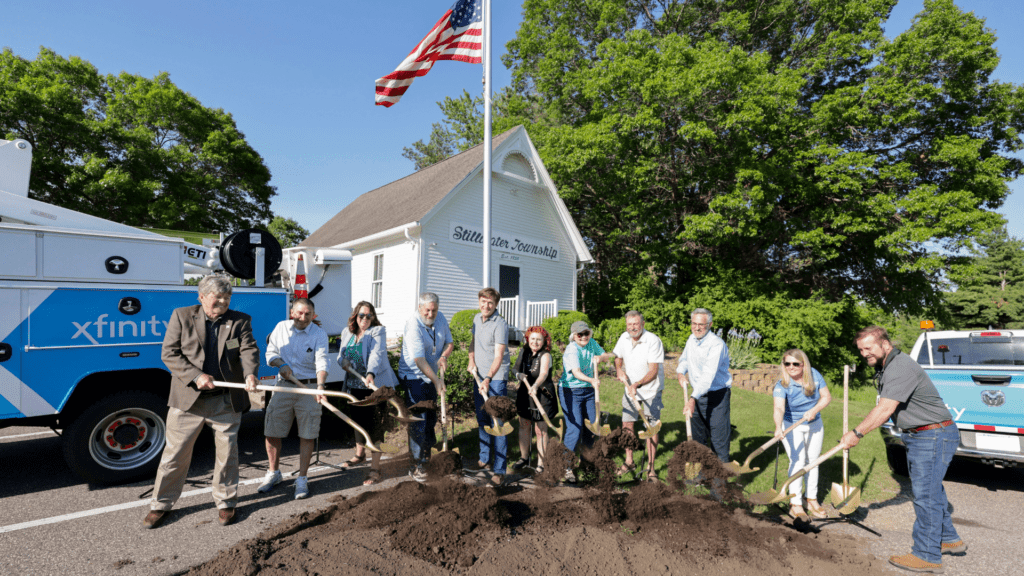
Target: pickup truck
[[980, 376]]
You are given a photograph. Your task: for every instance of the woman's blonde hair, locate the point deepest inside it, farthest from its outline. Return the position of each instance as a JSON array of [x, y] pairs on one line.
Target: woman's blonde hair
[[808, 379]]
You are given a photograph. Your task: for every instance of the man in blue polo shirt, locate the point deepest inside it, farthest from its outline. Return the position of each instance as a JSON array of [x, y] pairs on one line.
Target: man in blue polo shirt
[[426, 345]]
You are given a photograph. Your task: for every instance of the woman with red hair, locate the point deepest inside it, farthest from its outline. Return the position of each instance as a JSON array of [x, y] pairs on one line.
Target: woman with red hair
[[535, 363]]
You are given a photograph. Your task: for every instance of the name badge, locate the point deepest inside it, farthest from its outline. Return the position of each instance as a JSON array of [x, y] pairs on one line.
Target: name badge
[[232, 344]]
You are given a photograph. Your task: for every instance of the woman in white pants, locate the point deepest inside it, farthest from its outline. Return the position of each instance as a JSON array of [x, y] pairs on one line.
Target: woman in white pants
[[801, 391]]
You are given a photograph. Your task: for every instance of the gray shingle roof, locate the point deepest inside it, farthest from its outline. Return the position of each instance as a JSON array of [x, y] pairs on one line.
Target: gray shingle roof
[[402, 201]]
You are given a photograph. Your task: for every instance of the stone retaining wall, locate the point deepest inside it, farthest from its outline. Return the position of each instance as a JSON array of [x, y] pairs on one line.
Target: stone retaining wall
[[761, 379]]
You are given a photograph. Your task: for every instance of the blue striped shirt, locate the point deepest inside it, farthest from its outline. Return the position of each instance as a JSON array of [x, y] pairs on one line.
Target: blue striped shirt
[[707, 363]]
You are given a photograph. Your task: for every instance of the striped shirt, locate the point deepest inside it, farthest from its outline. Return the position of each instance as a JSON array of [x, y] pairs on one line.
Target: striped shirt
[[707, 363]]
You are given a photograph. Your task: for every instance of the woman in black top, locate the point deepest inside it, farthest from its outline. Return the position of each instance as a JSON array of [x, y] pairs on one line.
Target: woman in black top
[[535, 363]]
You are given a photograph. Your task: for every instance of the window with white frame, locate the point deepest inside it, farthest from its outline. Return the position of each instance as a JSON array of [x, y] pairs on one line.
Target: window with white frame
[[378, 280]]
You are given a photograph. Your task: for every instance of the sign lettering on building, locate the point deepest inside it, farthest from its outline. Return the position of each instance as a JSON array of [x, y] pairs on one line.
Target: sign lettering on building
[[502, 241]]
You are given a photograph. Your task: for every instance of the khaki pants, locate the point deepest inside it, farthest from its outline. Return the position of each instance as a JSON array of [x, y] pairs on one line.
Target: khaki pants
[[182, 430]]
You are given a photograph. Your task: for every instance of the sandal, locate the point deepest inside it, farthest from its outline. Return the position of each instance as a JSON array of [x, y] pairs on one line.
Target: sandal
[[796, 512], [652, 476], [538, 470], [372, 477], [814, 510], [625, 469], [353, 461], [521, 463]]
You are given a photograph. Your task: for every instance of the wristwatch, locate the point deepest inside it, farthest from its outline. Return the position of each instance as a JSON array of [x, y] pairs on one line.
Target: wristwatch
[[857, 433]]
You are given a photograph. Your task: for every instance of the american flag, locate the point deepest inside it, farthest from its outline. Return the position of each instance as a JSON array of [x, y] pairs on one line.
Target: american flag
[[456, 36]]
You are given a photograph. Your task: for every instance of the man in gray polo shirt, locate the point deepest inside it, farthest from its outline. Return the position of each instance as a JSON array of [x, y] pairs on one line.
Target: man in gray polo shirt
[[908, 396], [488, 359]]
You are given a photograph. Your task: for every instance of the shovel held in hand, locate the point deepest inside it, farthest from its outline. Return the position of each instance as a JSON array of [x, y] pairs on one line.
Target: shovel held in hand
[[444, 421], [543, 414], [649, 430], [306, 391], [845, 499], [498, 428], [745, 468], [781, 495], [403, 412], [691, 469], [596, 427]]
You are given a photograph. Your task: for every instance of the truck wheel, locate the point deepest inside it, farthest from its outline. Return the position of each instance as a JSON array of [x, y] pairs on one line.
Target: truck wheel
[[897, 457], [117, 439]]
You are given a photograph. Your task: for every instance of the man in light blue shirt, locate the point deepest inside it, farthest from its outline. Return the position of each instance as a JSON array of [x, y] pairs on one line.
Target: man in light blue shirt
[[704, 363], [426, 345]]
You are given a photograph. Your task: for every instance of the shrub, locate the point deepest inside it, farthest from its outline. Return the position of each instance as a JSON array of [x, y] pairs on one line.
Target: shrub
[[461, 325], [558, 326], [610, 330], [742, 349]]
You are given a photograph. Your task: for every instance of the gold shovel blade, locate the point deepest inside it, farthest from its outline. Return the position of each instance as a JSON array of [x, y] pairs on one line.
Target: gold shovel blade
[[845, 499], [736, 469]]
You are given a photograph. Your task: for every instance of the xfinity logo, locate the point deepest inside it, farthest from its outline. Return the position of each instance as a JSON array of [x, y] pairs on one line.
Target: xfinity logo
[[117, 328]]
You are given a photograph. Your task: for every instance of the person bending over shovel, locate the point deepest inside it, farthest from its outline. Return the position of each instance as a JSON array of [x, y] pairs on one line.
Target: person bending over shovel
[[576, 387], [907, 394], [640, 366], [488, 361]]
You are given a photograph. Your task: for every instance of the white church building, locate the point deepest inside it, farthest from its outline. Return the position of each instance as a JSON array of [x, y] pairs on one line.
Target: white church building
[[424, 233]]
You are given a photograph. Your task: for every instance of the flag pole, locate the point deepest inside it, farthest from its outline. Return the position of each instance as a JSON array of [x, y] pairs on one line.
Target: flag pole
[[487, 144]]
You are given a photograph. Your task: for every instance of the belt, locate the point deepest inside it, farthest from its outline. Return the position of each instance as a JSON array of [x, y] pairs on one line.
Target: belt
[[307, 380], [931, 426], [212, 393]]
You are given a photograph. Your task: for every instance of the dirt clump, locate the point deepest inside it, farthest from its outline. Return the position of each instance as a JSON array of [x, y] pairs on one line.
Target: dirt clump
[[443, 464], [423, 406], [712, 474], [500, 407], [557, 459], [384, 394]]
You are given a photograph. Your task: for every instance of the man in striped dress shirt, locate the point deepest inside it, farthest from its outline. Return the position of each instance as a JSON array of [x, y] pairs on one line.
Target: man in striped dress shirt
[[705, 364]]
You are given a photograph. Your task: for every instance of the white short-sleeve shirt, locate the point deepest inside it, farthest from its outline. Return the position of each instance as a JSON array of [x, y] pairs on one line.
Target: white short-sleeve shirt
[[636, 359]]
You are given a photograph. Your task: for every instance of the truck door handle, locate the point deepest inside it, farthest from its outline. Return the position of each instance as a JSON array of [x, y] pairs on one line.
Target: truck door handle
[[990, 380]]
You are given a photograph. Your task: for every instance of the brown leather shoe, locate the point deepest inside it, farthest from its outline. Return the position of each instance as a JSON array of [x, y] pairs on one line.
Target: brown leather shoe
[[958, 547], [226, 516], [153, 519], [915, 564]]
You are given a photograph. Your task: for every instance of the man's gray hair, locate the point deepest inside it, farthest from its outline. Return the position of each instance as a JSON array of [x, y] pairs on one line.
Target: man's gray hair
[[305, 302], [634, 314], [428, 298], [214, 284], [701, 312]]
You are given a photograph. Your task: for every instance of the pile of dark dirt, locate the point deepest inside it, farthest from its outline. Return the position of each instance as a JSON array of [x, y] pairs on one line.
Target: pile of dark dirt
[[443, 464], [557, 458], [384, 394], [452, 528], [501, 407]]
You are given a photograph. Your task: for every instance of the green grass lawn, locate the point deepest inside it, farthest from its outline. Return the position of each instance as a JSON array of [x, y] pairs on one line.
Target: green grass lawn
[[753, 426]]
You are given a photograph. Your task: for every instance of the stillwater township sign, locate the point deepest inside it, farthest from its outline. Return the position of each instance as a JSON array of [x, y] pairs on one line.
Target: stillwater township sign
[[517, 244]]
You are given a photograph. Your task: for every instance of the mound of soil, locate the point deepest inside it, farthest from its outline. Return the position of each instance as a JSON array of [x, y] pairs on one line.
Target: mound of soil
[[444, 463], [557, 458], [453, 528], [500, 407]]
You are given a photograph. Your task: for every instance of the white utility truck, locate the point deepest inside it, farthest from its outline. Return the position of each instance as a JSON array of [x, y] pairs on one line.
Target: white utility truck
[[84, 303]]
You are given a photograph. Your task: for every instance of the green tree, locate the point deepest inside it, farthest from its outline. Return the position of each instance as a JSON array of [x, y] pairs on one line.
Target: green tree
[[134, 150], [788, 142], [287, 231], [990, 288]]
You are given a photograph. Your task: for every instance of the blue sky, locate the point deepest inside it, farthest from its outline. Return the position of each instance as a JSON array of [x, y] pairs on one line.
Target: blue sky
[[298, 76]]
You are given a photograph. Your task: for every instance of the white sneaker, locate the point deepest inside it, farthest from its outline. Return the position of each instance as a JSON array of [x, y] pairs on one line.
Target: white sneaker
[[301, 487], [271, 479], [419, 474], [569, 476]]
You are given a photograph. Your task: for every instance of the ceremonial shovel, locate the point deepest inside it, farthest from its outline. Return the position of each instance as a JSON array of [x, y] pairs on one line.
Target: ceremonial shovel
[[780, 495], [543, 414], [691, 469], [745, 468], [498, 428], [403, 411], [386, 448], [597, 428], [844, 498], [444, 422], [649, 431]]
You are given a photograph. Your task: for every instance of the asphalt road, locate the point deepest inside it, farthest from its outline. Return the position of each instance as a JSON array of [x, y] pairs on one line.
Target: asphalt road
[[53, 523]]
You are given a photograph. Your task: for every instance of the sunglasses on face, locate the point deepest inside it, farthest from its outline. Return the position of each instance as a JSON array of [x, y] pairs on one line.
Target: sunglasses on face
[[583, 333], [797, 364], [361, 316]]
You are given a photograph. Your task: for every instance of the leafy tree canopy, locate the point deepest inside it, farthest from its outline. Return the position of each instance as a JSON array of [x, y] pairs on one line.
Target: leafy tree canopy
[[130, 149], [786, 143], [287, 231]]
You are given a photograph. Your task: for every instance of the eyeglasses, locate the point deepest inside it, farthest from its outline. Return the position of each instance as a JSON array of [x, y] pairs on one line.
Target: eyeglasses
[[361, 316], [583, 333], [797, 364], [698, 324]]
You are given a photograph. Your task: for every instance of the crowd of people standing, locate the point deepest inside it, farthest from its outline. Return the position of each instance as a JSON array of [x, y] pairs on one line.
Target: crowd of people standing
[[209, 342]]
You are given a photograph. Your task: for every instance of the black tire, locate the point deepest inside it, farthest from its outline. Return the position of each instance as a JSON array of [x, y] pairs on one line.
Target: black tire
[[118, 439], [897, 457]]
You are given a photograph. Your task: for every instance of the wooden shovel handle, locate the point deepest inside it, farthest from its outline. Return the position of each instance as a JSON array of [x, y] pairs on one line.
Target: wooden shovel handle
[[305, 391], [369, 443], [810, 467], [361, 377], [771, 442]]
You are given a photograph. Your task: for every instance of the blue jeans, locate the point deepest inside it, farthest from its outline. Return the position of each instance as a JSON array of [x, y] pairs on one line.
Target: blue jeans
[[712, 422], [577, 405], [499, 444], [421, 434], [928, 456]]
